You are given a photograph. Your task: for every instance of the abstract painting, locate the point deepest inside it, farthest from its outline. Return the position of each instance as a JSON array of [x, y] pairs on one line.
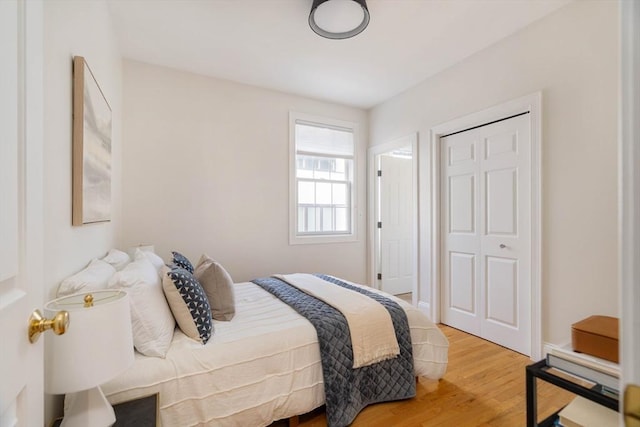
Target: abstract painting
[[91, 148]]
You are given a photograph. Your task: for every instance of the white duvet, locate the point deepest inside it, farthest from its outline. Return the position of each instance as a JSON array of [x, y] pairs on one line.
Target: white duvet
[[262, 366]]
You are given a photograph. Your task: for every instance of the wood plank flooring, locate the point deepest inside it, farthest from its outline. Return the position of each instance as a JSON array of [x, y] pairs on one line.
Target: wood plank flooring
[[484, 386]]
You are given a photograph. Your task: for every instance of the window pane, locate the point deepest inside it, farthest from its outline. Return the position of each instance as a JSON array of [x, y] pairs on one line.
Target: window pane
[[305, 173], [340, 194], [322, 174], [324, 164], [311, 220], [339, 172], [327, 220], [304, 166], [342, 221], [323, 193], [323, 167], [301, 219], [306, 192]]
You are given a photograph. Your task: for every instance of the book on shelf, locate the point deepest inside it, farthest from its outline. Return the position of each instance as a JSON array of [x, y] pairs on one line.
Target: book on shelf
[[612, 393], [581, 412], [571, 377], [587, 372], [566, 352]]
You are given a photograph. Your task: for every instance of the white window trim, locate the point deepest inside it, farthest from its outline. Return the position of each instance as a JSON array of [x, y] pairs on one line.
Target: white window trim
[[294, 238]]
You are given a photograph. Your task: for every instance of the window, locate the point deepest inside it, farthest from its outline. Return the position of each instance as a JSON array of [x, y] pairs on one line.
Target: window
[[322, 180]]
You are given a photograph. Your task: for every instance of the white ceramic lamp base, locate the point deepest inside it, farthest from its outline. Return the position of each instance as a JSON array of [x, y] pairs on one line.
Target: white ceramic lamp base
[[87, 408]]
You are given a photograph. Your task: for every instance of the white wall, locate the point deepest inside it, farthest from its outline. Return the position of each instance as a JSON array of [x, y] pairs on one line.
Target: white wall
[[572, 57], [206, 171], [75, 28]]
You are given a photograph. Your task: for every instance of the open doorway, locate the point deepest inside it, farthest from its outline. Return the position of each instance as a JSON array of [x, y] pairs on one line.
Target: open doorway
[[393, 213]]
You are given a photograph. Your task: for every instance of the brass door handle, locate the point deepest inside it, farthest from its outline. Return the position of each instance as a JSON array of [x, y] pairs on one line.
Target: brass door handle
[[631, 406], [38, 324]]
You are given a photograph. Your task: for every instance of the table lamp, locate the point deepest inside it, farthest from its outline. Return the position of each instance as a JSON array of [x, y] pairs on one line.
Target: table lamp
[[97, 346]]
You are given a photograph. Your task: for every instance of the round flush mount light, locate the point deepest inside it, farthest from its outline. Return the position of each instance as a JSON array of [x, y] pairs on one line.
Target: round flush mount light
[[339, 19]]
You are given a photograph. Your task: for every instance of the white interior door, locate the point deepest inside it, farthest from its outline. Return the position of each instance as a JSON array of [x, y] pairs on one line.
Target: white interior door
[[395, 221], [486, 232], [21, 367]]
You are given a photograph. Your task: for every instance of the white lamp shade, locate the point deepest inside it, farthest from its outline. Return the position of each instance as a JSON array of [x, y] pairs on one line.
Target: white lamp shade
[[97, 345]]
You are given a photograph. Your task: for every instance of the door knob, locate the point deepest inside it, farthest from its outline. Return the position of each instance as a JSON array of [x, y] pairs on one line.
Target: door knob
[[38, 324], [502, 246]]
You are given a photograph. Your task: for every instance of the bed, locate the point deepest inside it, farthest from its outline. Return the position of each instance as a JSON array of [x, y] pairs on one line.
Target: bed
[[261, 366]]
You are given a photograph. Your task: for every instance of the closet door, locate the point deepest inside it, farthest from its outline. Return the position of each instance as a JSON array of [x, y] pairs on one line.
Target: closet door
[[486, 233]]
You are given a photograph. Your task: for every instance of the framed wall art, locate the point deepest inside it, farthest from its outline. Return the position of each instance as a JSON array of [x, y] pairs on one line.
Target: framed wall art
[[91, 148]]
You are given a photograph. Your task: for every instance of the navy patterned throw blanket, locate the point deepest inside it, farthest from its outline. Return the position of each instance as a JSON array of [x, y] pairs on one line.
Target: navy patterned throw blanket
[[348, 390]]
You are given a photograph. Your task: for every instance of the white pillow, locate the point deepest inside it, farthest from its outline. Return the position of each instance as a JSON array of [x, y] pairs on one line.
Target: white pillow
[[157, 262], [117, 259], [93, 277], [152, 322]]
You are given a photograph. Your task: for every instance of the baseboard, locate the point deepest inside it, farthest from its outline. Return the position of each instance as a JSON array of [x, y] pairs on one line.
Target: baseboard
[[546, 347]]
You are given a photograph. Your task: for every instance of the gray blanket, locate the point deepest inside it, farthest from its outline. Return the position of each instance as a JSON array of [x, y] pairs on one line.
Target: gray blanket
[[348, 390]]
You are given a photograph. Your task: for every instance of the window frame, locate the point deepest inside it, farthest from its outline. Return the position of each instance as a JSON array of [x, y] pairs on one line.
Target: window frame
[[338, 237]]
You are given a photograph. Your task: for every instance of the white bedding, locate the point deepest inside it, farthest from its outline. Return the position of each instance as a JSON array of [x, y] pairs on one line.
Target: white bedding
[[262, 366]]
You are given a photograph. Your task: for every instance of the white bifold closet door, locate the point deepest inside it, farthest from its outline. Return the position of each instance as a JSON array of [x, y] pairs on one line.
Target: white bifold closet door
[[486, 236]]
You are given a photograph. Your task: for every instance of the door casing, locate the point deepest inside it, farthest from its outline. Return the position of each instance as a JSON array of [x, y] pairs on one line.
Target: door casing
[[431, 241], [629, 188]]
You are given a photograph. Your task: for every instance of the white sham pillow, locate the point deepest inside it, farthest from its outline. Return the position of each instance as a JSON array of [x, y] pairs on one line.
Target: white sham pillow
[[155, 259], [117, 258], [152, 322], [93, 277]]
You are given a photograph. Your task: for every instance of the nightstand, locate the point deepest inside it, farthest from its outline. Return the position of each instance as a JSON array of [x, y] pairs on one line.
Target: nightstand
[[141, 412], [539, 370]]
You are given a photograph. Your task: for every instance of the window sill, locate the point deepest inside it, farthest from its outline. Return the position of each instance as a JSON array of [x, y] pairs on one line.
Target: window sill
[[315, 240]]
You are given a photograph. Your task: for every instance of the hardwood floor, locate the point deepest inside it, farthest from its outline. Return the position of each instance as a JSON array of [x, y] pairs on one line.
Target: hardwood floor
[[406, 297], [484, 386]]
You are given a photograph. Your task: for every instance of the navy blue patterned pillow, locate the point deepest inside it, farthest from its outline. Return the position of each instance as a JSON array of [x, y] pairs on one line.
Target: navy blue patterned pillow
[[182, 261], [188, 303]]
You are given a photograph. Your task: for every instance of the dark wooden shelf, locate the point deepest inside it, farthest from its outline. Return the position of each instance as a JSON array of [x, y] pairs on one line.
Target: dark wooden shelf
[[539, 370]]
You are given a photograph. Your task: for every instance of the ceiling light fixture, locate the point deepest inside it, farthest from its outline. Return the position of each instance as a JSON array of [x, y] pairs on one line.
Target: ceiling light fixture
[[339, 19]]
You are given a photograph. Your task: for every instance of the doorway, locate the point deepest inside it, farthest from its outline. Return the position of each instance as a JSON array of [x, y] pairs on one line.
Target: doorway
[[483, 200], [393, 213]]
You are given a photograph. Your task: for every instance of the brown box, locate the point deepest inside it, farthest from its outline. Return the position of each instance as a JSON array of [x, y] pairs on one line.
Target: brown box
[[596, 336]]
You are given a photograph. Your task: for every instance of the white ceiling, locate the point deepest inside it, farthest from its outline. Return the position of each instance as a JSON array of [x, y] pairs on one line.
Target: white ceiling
[[268, 43]]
